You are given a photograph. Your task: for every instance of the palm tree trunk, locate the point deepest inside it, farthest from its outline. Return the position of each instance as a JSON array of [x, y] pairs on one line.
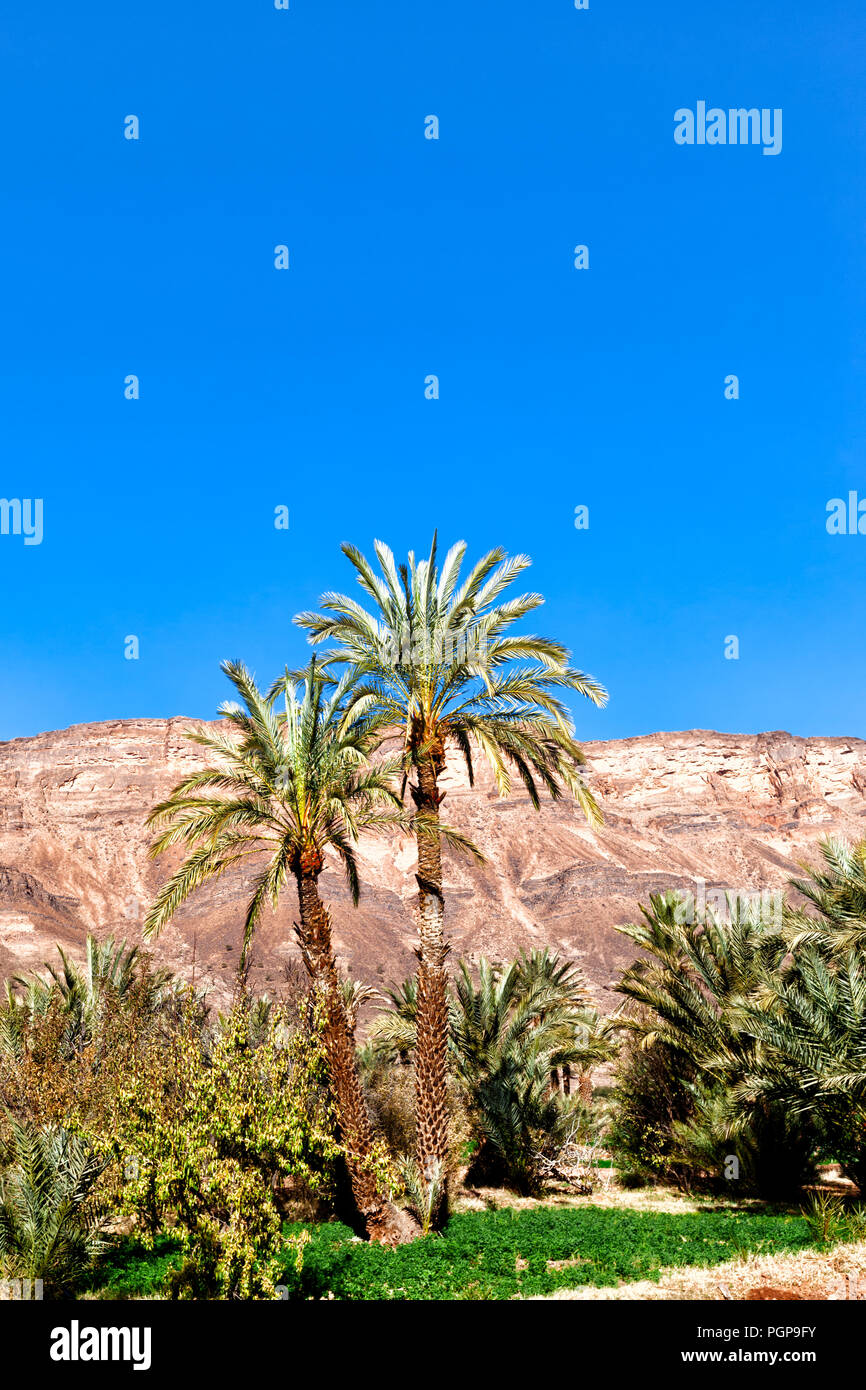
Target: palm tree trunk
[[431, 1051], [384, 1222]]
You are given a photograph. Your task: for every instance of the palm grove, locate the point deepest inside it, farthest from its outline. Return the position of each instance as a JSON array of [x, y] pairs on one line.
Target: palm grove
[[435, 663], [741, 1036]]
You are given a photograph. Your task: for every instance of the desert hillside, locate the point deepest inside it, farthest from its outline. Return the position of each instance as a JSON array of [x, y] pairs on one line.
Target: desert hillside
[[737, 811]]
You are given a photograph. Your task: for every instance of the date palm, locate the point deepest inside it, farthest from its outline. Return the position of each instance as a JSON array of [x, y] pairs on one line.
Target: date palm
[[700, 978], [811, 1031], [288, 786], [812, 1022], [437, 659], [838, 892], [112, 972], [49, 1226]]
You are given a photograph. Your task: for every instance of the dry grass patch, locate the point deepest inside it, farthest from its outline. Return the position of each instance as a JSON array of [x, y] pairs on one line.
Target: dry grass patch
[[838, 1275]]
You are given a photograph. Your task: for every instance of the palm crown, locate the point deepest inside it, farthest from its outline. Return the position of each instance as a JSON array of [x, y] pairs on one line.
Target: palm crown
[[438, 659], [291, 783]]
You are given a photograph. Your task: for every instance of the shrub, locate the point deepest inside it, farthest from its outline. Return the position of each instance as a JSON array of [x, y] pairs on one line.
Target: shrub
[[65, 1042], [389, 1088], [649, 1097]]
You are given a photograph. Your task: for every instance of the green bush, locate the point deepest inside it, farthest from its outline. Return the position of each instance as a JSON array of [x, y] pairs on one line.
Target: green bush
[[649, 1097], [205, 1129]]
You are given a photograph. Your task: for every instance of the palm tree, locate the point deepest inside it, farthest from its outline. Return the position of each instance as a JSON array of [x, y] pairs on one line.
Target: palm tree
[[437, 660], [507, 1034], [811, 1031], [112, 971], [692, 973], [49, 1230], [811, 1021], [289, 786], [839, 894], [355, 995], [696, 986]]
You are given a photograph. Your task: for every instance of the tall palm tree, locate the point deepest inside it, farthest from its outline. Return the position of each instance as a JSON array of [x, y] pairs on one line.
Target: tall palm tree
[[290, 784], [437, 659]]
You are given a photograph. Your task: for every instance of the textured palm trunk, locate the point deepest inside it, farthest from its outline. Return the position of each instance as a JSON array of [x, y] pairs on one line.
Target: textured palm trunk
[[431, 1051], [384, 1222]]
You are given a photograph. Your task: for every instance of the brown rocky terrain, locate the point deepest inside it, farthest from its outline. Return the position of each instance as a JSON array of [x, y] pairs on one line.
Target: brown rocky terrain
[[738, 811]]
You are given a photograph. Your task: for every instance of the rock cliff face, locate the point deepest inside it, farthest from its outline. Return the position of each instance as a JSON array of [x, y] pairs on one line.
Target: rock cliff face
[[736, 811]]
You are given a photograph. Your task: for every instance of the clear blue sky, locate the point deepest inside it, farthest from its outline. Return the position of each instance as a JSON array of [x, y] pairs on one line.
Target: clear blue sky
[[455, 257]]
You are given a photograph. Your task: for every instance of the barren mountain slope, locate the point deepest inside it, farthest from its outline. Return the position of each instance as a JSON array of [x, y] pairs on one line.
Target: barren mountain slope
[[738, 811]]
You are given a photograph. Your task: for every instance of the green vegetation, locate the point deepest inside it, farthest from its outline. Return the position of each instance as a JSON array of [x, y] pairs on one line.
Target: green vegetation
[[502, 1254], [205, 1127], [510, 1037], [48, 1229], [170, 1117], [747, 1056], [129, 1269]]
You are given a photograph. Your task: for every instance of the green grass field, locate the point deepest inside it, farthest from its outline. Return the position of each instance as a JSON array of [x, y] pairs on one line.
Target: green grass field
[[496, 1254]]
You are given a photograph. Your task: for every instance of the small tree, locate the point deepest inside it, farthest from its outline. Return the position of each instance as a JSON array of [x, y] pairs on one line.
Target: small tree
[[203, 1131]]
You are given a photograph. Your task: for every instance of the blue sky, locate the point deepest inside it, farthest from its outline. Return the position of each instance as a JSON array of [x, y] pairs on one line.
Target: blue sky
[[409, 256]]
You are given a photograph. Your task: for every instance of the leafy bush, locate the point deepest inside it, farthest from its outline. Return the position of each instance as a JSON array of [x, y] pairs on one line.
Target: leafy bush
[[650, 1096], [65, 1042], [205, 1128]]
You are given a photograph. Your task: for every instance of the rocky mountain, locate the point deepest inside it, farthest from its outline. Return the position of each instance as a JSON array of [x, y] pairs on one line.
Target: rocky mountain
[[735, 811]]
